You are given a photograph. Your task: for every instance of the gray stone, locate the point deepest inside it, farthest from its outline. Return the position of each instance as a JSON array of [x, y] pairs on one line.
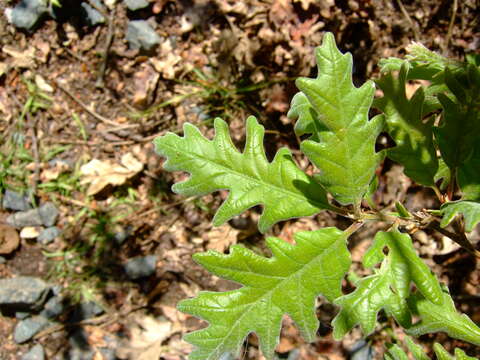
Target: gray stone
[[81, 354], [108, 354], [141, 35], [227, 356], [361, 350], [53, 308], [22, 315], [28, 328], [93, 17], [48, 235], [136, 4], [122, 234], [294, 355], [27, 13], [23, 219], [80, 348], [35, 353], [57, 289], [48, 213], [86, 310], [23, 293], [141, 266], [13, 200]]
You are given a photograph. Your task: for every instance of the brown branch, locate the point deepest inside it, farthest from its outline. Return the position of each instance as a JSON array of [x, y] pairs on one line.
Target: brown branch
[[85, 107], [108, 43], [404, 11]]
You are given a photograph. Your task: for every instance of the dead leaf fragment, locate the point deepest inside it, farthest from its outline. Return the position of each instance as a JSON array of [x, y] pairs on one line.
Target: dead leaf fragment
[[42, 84], [146, 336], [100, 173], [9, 239], [145, 83], [220, 238], [21, 59]]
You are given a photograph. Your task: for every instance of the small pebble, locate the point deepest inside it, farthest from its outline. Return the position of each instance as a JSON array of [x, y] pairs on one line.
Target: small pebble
[[22, 219], [27, 13], [141, 266], [48, 235], [86, 310], [136, 4], [141, 35], [23, 293], [28, 328], [49, 214], [30, 232], [13, 200], [22, 315], [35, 353], [92, 16], [53, 308]]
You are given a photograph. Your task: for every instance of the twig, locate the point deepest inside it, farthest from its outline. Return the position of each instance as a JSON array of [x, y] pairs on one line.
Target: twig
[[404, 11], [85, 107], [98, 8], [36, 156], [76, 202], [459, 238], [108, 43], [450, 25], [101, 320], [91, 143]]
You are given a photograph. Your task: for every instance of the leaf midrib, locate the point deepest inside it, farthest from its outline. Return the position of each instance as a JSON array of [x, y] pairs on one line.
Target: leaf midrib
[[310, 201], [321, 254]]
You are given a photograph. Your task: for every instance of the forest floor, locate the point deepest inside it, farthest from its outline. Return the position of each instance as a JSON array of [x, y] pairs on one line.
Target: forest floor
[[77, 95]]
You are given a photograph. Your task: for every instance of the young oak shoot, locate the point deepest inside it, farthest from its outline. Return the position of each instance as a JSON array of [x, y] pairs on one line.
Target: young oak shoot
[[341, 138]]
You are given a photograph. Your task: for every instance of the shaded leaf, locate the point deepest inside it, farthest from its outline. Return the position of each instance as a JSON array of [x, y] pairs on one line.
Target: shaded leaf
[[342, 144], [468, 176], [283, 189], [406, 266], [395, 352], [414, 139], [457, 135], [469, 209], [388, 288], [444, 317], [287, 283]]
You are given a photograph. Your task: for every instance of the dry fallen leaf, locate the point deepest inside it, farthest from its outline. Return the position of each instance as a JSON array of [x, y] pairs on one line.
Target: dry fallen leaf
[[146, 336], [167, 65], [145, 82], [220, 238], [9, 239], [100, 173], [21, 59]]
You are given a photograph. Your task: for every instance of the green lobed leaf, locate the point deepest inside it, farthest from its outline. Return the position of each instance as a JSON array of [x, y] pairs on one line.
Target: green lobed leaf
[[469, 209], [395, 352], [444, 317], [283, 189], [335, 112], [406, 266], [468, 176], [388, 288], [457, 135], [286, 283], [404, 118], [372, 294], [415, 349]]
